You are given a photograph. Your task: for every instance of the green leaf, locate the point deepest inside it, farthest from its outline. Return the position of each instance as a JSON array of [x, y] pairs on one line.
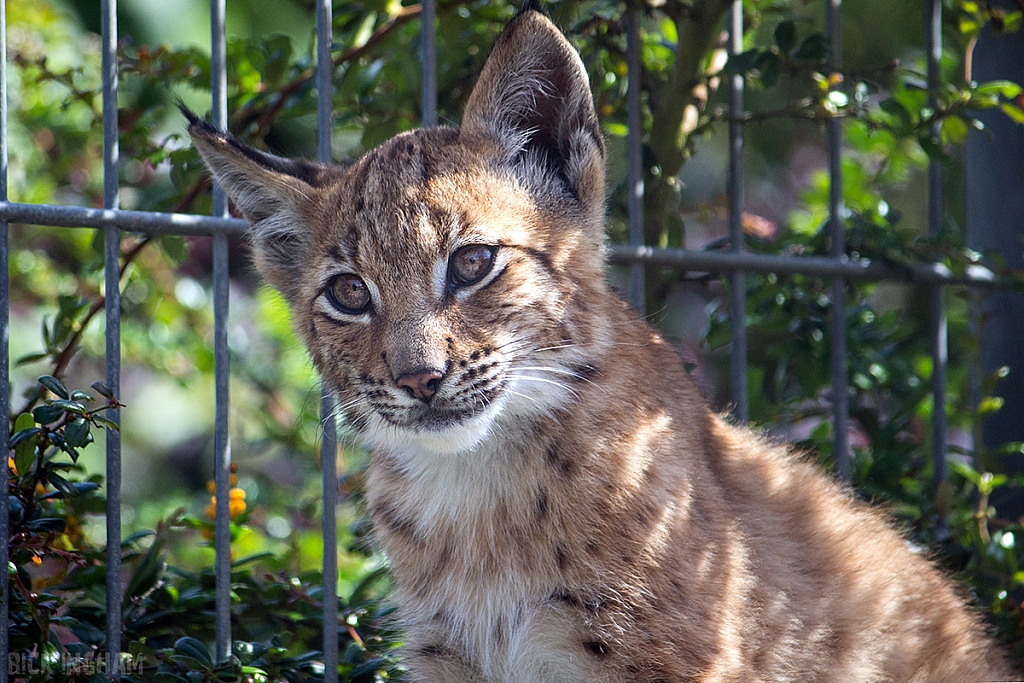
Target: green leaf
[[1013, 111], [25, 451], [1007, 89], [54, 385], [77, 433], [814, 48], [279, 53], [368, 667], [76, 488], [47, 524], [895, 108], [932, 147], [69, 406], [139, 650], [1013, 22], [969, 27], [101, 421], [24, 442], [31, 358], [741, 63], [103, 390], [620, 130], [174, 246], [23, 435], [785, 36], [23, 421], [138, 535], [61, 484], [46, 414], [77, 395], [770, 66], [954, 130], [146, 574], [193, 649], [362, 591], [990, 405]]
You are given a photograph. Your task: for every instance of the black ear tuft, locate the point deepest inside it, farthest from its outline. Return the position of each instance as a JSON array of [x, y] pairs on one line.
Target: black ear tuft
[[197, 122], [277, 196], [192, 117], [530, 6]]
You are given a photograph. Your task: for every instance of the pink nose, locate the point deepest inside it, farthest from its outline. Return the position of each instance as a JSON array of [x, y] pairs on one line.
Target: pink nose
[[422, 385]]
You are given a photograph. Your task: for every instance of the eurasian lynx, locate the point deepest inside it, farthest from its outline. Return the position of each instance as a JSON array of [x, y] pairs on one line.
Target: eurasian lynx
[[556, 500]]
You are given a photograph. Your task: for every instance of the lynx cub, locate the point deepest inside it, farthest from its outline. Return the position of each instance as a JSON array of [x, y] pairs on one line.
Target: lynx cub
[[556, 500]]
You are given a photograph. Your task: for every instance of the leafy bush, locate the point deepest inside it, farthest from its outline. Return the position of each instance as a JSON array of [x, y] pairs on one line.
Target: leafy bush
[[58, 586]]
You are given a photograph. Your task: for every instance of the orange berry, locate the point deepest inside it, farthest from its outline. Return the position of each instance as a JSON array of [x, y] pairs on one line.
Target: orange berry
[[236, 507]]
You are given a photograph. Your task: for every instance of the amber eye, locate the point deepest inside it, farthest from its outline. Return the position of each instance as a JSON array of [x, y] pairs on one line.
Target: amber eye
[[349, 294], [470, 264]]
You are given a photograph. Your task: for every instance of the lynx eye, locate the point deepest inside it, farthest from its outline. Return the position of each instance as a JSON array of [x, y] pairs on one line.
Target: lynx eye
[[348, 293], [470, 264]]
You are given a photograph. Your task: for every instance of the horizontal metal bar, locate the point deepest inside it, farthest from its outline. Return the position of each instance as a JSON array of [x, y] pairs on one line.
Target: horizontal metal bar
[[132, 221], [815, 266], [686, 259]]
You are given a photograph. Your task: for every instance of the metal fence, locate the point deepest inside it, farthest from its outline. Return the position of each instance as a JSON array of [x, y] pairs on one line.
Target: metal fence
[[836, 268]]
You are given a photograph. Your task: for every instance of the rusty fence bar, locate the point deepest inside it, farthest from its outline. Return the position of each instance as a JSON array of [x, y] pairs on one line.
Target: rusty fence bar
[[734, 263]]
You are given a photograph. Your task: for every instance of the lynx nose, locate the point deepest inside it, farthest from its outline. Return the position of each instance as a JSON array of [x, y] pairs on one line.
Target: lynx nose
[[422, 384]]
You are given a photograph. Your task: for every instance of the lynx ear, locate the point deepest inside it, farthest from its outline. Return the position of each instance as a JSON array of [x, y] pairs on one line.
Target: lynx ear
[[276, 196], [533, 100]]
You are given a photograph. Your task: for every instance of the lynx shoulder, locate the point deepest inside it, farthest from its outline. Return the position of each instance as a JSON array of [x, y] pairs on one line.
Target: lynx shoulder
[[556, 500]]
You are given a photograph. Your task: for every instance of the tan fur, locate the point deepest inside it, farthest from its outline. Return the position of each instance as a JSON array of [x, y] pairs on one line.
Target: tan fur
[[566, 508]]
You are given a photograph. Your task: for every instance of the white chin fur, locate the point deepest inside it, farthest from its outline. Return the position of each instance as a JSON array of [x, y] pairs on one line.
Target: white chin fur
[[381, 434], [523, 400]]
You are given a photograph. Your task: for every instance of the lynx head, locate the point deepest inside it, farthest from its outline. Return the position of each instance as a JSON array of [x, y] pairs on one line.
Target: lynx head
[[446, 281]]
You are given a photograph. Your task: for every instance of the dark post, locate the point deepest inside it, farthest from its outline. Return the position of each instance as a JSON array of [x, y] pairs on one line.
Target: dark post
[[995, 225]]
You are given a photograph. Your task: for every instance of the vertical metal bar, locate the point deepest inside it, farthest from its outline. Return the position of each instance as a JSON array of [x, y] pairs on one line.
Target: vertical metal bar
[[738, 280], [112, 303], [329, 473], [428, 20], [635, 201], [5, 387], [329, 448], [837, 325], [937, 309], [221, 445]]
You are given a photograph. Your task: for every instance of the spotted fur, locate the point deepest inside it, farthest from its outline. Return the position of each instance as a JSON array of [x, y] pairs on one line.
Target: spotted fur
[[556, 500]]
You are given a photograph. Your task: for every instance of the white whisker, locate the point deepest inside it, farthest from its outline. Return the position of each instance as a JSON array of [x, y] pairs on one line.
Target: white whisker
[[560, 385]]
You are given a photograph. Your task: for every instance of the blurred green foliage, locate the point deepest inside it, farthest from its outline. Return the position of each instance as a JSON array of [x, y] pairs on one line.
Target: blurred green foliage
[[56, 286]]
